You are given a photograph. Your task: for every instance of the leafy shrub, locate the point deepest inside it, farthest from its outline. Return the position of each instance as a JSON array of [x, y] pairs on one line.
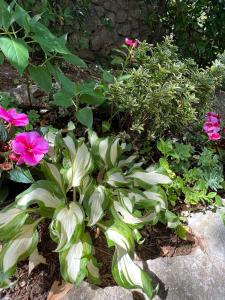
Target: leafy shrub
[[196, 176], [162, 92], [109, 190]]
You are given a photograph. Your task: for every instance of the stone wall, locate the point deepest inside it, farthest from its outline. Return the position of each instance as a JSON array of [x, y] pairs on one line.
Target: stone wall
[[108, 22]]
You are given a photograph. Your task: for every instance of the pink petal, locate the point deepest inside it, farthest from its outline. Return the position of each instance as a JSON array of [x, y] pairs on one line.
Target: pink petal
[[4, 114], [214, 136]]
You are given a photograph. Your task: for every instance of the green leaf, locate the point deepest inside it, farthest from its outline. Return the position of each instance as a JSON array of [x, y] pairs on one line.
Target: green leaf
[[16, 52], [3, 133], [1, 58], [105, 126], [4, 191], [85, 116], [172, 219], [62, 98], [21, 175], [42, 77], [67, 225], [74, 60]]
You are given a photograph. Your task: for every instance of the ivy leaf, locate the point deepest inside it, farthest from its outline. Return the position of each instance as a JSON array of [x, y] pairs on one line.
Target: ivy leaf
[[21, 175], [85, 116], [16, 52]]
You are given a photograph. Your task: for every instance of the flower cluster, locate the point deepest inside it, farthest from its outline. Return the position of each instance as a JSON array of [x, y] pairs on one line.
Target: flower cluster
[[27, 147], [212, 126]]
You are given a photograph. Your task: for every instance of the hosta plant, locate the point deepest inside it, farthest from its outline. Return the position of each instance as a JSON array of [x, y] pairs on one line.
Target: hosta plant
[[86, 185]]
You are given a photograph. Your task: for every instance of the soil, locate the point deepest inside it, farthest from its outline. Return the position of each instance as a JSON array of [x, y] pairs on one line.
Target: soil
[[159, 241]]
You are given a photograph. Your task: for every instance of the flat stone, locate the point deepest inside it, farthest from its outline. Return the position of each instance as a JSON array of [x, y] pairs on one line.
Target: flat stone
[[87, 291]]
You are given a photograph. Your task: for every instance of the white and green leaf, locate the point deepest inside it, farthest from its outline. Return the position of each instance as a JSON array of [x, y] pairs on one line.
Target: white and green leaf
[[11, 220], [73, 261], [94, 204], [19, 248], [67, 225], [129, 275], [43, 193], [116, 178]]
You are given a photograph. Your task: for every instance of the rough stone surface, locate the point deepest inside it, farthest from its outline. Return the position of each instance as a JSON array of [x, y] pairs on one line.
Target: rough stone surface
[[89, 292], [118, 18]]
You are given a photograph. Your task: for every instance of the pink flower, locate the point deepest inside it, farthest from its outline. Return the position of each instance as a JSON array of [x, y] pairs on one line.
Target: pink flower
[[214, 136], [212, 117], [14, 118], [211, 127], [131, 42], [30, 147]]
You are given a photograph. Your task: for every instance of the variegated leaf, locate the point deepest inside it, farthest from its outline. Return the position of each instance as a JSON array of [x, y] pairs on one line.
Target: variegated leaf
[[144, 178], [94, 203], [115, 178], [19, 248], [11, 220], [128, 275], [43, 193], [73, 261], [52, 173], [67, 225], [93, 271], [124, 215], [119, 234]]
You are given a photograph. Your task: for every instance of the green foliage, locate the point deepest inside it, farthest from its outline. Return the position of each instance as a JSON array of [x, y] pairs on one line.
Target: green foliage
[[163, 93], [22, 35], [85, 185], [196, 176]]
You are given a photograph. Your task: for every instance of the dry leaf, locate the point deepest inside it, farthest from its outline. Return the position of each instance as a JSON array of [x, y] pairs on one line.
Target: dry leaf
[[58, 291], [35, 259]]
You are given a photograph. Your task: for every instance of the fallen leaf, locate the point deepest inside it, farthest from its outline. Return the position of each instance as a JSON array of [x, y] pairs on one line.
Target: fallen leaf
[[58, 291], [167, 251], [35, 259]]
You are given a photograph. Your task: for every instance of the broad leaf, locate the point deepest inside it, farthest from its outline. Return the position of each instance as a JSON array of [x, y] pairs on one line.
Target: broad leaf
[[22, 175], [94, 203], [74, 60], [128, 275], [85, 116], [11, 220], [19, 248], [115, 178], [43, 192], [73, 261], [52, 173], [67, 224], [42, 77], [62, 98], [16, 52]]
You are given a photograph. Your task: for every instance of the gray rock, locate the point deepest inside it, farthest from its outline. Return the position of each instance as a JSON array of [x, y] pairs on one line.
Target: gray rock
[[87, 291], [199, 276]]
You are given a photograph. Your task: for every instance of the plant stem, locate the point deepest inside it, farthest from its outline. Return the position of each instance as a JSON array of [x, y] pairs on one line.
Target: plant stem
[[74, 194], [28, 89]]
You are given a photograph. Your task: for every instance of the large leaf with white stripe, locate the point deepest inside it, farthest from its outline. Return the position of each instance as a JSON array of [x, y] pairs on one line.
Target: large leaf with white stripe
[[128, 275], [119, 234], [67, 225], [52, 173], [106, 151], [43, 192], [95, 202], [116, 178], [73, 261], [148, 178], [11, 220], [81, 163], [135, 218], [18, 249]]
